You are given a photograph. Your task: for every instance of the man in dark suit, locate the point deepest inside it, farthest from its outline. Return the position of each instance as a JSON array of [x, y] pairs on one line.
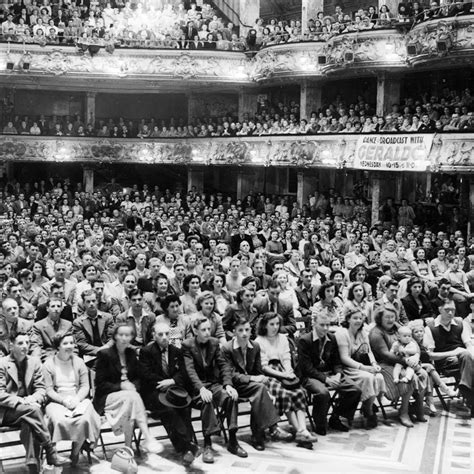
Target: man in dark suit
[[43, 332], [190, 31], [236, 239], [269, 302], [22, 392], [57, 291], [162, 367], [93, 330], [243, 358], [320, 369], [10, 323], [211, 382], [263, 280], [19, 204], [307, 295]]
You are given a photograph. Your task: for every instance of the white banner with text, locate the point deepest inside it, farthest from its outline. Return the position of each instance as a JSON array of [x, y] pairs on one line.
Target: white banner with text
[[408, 152]]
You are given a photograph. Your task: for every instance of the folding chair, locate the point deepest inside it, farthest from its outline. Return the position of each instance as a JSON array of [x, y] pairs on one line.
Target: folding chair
[[450, 372], [310, 401]]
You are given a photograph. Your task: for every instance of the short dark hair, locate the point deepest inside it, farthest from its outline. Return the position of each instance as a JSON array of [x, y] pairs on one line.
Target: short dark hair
[[350, 292], [165, 304], [443, 281], [134, 292], [411, 282], [187, 280], [263, 321], [14, 334], [198, 321], [322, 290], [239, 322], [59, 337], [391, 282]]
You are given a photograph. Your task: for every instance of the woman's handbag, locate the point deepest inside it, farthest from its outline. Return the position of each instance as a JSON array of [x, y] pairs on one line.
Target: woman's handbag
[[361, 355], [123, 461], [286, 383]]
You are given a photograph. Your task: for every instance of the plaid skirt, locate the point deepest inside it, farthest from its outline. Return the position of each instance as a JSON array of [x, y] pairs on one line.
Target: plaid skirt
[[286, 400]]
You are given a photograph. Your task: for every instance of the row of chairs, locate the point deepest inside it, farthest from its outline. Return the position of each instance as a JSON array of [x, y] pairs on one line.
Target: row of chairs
[[452, 377]]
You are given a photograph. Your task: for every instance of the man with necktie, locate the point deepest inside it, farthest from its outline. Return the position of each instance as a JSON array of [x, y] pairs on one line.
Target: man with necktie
[[320, 370], [93, 330], [243, 358], [163, 390], [269, 302], [43, 332], [211, 385]]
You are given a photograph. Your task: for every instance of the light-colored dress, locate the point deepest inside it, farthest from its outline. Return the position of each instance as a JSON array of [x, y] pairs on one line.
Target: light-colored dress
[[371, 384], [70, 378]]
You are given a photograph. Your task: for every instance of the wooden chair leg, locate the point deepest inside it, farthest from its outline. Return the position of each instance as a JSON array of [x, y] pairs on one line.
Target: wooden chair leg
[[441, 398], [382, 409], [102, 444], [137, 441], [220, 415]]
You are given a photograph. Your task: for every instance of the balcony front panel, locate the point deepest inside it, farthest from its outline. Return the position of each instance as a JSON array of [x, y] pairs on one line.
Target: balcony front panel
[[444, 42], [139, 68], [413, 152]]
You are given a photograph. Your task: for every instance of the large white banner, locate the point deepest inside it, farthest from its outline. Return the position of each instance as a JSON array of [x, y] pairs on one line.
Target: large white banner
[[408, 152]]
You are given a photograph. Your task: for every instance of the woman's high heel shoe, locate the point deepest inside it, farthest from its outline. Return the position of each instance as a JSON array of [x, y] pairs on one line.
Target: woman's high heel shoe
[[152, 446]]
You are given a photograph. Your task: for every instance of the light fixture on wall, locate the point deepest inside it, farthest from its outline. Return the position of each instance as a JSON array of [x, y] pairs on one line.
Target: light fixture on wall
[[412, 49], [25, 61], [10, 63]]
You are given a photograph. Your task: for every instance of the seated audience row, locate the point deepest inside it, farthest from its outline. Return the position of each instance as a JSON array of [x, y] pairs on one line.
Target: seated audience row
[[453, 113], [172, 302]]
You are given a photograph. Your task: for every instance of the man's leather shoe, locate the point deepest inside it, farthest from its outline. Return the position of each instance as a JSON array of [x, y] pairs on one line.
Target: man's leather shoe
[[337, 424], [33, 468], [52, 456], [188, 458], [235, 448], [257, 444], [321, 431], [208, 455], [277, 434]]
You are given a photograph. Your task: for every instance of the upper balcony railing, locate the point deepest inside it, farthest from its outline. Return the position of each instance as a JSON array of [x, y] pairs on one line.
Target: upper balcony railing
[[362, 50], [394, 152]]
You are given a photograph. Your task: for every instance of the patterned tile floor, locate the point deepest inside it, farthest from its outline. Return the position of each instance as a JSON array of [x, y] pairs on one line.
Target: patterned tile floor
[[444, 445]]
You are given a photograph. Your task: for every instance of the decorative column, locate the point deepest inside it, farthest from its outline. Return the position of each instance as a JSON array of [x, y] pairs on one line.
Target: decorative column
[[399, 185], [90, 107], [88, 179], [196, 179], [470, 223], [240, 184], [249, 12], [388, 92], [375, 198], [193, 108], [310, 98], [309, 10], [247, 103]]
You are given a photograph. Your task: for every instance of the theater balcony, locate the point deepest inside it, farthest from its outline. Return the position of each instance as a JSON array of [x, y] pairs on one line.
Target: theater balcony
[[398, 152], [442, 43], [439, 43], [56, 66]]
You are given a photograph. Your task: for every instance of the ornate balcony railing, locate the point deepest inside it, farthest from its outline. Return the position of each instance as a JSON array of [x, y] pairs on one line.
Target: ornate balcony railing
[[395, 152], [139, 68], [427, 44]]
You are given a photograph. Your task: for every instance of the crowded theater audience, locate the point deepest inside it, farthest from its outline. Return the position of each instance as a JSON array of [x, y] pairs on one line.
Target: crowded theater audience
[[193, 25], [164, 301], [450, 111]]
